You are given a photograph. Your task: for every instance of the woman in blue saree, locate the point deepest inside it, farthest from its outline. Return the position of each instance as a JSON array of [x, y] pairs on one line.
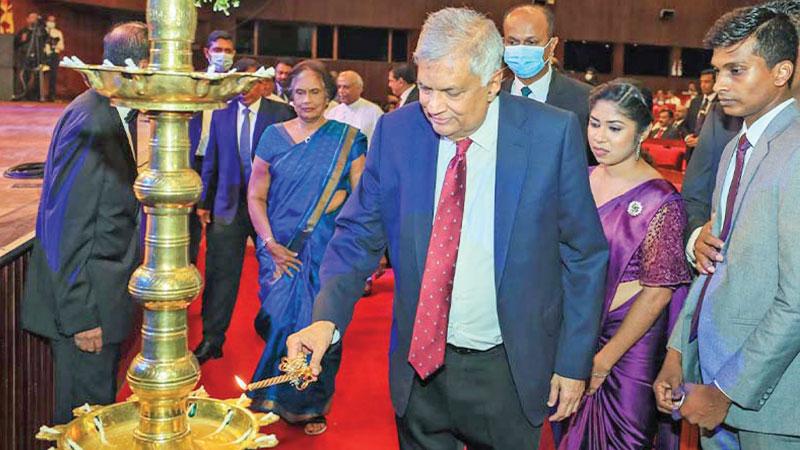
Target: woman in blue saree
[[643, 219], [303, 171]]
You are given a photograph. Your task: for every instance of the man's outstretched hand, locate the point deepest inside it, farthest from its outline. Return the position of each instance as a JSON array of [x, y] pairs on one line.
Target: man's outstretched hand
[[314, 339]]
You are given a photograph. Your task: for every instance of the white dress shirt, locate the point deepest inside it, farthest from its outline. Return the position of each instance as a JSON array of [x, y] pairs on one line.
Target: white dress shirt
[[405, 94], [539, 88], [205, 131], [473, 308], [123, 114], [240, 120], [362, 114], [753, 133], [57, 34]]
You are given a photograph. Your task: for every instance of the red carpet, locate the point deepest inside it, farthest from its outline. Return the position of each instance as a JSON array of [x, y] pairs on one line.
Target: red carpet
[[361, 416]]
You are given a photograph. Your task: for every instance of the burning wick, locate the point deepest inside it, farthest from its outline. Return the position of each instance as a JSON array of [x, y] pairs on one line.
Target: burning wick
[[295, 371], [241, 383]]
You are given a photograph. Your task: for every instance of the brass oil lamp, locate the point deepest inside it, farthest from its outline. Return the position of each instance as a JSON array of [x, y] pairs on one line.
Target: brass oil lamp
[[165, 412]]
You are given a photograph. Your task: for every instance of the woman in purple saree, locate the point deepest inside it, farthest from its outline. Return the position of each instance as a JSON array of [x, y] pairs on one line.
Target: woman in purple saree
[[644, 219]]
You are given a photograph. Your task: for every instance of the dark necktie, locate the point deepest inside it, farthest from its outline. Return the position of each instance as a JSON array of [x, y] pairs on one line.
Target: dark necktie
[[730, 201], [245, 147], [131, 119], [526, 91], [701, 116], [429, 338]]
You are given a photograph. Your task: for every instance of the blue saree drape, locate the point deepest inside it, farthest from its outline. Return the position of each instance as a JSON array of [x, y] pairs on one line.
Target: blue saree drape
[[299, 173]]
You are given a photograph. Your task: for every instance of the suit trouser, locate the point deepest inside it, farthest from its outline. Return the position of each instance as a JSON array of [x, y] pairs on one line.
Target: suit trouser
[[225, 250], [472, 399], [82, 377]]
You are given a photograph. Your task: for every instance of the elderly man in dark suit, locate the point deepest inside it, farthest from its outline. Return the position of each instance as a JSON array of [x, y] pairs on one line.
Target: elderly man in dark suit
[[402, 83], [529, 35], [498, 251], [87, 243], [222, 209]]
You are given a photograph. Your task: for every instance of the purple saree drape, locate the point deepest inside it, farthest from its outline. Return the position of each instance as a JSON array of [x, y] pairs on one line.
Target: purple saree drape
[[644, 228]]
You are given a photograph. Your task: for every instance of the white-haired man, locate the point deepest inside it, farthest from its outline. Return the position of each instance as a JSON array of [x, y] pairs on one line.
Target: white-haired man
[[353, 109], [497, 248]]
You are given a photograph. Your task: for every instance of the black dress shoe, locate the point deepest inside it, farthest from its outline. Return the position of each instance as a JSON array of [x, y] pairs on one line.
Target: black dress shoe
[[206, 351]]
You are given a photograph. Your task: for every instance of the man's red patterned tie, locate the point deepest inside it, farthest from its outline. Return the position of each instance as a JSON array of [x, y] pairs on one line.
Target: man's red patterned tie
[[428, 341]]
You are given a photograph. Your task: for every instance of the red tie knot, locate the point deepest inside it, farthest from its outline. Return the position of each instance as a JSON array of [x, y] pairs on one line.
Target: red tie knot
[[744, 144], [462, 146]]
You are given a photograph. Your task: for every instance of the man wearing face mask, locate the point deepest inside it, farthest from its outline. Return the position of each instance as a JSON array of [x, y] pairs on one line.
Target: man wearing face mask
[[222, 209], [219, 52], [54, 45], [530, 43]]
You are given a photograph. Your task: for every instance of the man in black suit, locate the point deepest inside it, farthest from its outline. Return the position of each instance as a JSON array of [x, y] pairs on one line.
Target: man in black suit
[[701, 173], [666, 128], [402, 83], [701, 104], [222, 209], [87, 244], [528, 33]]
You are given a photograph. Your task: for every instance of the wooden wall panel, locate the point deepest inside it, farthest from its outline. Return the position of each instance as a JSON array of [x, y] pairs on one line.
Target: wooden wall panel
[[26, 369], [637, 21], [85, 21]]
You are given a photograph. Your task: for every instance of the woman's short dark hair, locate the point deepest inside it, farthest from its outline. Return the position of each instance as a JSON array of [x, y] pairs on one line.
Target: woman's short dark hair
[[126, 40], [318, 68], [631, 97]]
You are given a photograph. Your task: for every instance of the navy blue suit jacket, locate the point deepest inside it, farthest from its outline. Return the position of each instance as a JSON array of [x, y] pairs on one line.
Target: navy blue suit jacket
[[550, 251], [223, 183]]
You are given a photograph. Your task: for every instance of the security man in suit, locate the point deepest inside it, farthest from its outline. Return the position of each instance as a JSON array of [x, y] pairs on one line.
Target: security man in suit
[[402, 83], [87, 244], [530, 44], [222, 209]]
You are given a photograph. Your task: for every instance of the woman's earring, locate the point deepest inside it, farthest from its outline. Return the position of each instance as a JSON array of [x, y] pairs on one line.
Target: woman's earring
[[639, 151]]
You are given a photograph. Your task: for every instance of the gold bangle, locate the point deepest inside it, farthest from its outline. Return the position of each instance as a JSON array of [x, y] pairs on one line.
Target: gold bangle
[[600, 374]]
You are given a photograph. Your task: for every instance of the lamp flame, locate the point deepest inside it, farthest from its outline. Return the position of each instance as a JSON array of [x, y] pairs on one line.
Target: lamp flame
[[241, 383]]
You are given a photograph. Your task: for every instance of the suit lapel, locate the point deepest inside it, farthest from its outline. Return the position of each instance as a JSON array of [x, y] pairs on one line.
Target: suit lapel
[[124, 142], [424, 189], [760, 152], [512, 166], [554, 90], [263, 119]]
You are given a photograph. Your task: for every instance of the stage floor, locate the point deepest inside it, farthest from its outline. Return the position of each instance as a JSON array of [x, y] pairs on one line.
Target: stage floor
[[25, 130]]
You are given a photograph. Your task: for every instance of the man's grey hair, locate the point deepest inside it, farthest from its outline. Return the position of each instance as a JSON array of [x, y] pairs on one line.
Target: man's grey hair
[[353, 75], [126, 40], [451, 33]]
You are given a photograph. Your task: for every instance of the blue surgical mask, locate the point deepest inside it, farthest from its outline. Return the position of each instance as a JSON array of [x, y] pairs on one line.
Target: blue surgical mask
[[525, 60], [222, 62]]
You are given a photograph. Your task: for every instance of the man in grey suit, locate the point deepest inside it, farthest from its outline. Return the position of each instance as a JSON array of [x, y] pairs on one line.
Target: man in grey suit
[[733, 357], [530, 44]]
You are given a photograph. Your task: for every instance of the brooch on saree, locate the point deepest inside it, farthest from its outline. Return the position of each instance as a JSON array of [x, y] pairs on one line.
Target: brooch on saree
[[634, 208]]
